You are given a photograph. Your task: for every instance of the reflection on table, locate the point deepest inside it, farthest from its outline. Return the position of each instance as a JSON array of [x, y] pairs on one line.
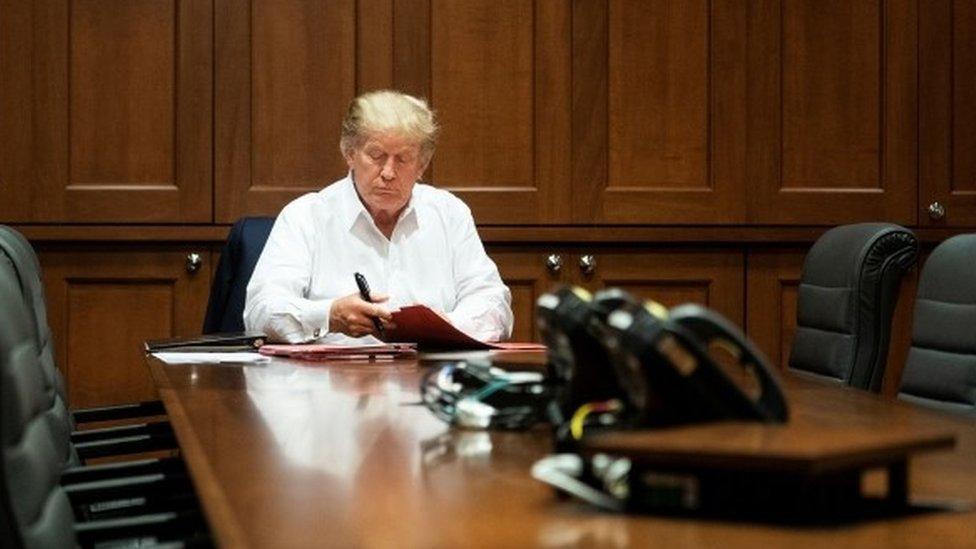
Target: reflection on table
[[304, 455]]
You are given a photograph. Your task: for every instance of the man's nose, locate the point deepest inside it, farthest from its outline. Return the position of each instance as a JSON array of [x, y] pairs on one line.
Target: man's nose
[[388, 172]]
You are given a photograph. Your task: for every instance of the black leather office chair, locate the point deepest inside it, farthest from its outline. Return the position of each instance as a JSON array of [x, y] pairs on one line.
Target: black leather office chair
[[23, 262], [74, 446], [37, 513], [847, 295], [941, 368], [34, 510], [225, 309], [164, 482]]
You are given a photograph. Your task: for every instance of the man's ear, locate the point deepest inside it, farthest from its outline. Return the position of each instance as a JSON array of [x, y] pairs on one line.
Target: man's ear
[[349, 156], [425, 165]]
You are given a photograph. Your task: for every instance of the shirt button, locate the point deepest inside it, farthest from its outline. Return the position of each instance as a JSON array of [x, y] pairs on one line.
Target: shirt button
[[316, 333]]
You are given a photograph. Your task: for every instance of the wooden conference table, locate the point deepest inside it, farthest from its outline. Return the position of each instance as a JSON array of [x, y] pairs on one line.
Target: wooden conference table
[[292, 454]]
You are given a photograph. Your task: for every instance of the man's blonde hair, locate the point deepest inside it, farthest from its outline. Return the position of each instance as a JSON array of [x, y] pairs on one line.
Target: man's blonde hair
[[386, 111]]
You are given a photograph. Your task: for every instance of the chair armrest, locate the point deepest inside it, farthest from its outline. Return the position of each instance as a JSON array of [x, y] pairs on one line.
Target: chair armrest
[[156, 428], [150, 484], [122, 411], [133, 444], [161, 527], [92, 473], [153, 490]]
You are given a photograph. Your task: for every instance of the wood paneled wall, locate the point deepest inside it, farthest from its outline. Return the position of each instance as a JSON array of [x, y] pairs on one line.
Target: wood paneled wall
[[578, 112], [569, 126], [106, 111], [104, 302], [836, 83], [947, 110], [284, 71]]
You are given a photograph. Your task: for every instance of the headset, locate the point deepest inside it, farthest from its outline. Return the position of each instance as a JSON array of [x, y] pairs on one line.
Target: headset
[[477, 395]]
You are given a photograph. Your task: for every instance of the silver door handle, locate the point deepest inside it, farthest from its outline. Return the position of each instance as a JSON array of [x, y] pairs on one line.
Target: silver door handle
[[193, 262], [554, 263], [587, 264]]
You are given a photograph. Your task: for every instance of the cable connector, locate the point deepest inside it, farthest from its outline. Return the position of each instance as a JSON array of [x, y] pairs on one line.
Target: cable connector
[[473, 414]]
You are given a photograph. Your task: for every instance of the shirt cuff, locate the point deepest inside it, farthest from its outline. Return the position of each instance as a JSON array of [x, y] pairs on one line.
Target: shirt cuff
[[315, 319]]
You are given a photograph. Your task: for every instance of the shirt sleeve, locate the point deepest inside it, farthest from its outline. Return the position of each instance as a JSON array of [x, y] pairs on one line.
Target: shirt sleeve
[[483, 308], [276, 301]]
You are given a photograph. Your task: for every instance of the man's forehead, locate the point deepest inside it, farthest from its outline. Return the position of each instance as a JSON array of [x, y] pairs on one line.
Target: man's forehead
[[392, 143]]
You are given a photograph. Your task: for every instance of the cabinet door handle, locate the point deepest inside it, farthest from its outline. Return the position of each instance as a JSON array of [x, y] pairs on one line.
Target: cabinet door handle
[[554, 263], [587, 264], [936, 211], [193, 262]]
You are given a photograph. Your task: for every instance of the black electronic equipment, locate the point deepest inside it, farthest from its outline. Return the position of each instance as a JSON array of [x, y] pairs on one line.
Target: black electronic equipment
[[578, 365], [475, 394], [688, 366]]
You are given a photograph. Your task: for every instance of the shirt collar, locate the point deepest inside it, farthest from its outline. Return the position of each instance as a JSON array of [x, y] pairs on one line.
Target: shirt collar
[[352, 208]]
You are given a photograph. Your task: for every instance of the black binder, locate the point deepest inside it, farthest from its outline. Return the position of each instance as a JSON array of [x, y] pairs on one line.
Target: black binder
[[224, 343]]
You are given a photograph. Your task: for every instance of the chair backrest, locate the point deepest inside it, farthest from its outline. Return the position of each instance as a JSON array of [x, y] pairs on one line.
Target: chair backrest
[[847, 296], [941, 368], [225, 309], [27, 269], [33, 507]]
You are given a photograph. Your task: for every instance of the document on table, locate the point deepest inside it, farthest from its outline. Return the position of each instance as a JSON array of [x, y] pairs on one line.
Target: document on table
[[421, 325], [229, 342], [378, 351], [211, 358]]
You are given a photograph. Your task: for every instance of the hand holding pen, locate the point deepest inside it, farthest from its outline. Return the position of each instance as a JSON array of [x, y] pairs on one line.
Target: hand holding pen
[[359, 314], [364, 293]]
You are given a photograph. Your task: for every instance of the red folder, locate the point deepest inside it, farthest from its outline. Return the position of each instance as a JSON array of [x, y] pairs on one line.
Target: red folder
[[342, 352], [419, 324]]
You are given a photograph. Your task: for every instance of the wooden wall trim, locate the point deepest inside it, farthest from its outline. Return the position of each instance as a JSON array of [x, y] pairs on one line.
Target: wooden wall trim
[[124, 233], [491, 235]]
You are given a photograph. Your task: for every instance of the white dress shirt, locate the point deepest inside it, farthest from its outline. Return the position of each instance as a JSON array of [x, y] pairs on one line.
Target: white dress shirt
[[433, 257]]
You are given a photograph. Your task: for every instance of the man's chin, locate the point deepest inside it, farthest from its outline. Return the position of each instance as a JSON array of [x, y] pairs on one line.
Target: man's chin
[[387, 204]]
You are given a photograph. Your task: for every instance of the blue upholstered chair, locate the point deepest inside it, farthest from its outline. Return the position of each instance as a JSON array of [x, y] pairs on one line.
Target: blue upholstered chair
[[225, 309]]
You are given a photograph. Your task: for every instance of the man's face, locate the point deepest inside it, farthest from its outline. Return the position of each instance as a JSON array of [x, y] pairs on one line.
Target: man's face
[[385, 169]]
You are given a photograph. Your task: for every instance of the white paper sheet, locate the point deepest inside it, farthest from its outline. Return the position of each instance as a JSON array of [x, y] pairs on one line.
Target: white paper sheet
[[211, 358]]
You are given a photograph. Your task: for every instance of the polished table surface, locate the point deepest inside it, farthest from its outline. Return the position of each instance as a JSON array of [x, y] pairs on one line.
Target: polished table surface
[[292, 454]]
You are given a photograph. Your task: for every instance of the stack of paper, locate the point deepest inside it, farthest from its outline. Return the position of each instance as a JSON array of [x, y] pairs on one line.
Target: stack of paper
[[342, 352], [196, 357]]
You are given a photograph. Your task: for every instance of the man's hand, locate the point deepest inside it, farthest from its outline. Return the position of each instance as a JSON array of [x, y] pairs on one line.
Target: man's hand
[[353, 316]]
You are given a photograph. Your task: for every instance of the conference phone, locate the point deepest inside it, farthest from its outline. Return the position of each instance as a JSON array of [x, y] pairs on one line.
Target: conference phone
[[639, 365], [616, 363]]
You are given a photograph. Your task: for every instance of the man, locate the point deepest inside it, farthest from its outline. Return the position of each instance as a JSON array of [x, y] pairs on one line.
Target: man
[[413, 243]]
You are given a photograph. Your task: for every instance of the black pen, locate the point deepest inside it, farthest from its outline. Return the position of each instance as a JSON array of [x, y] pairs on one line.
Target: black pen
[[364, 293]]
